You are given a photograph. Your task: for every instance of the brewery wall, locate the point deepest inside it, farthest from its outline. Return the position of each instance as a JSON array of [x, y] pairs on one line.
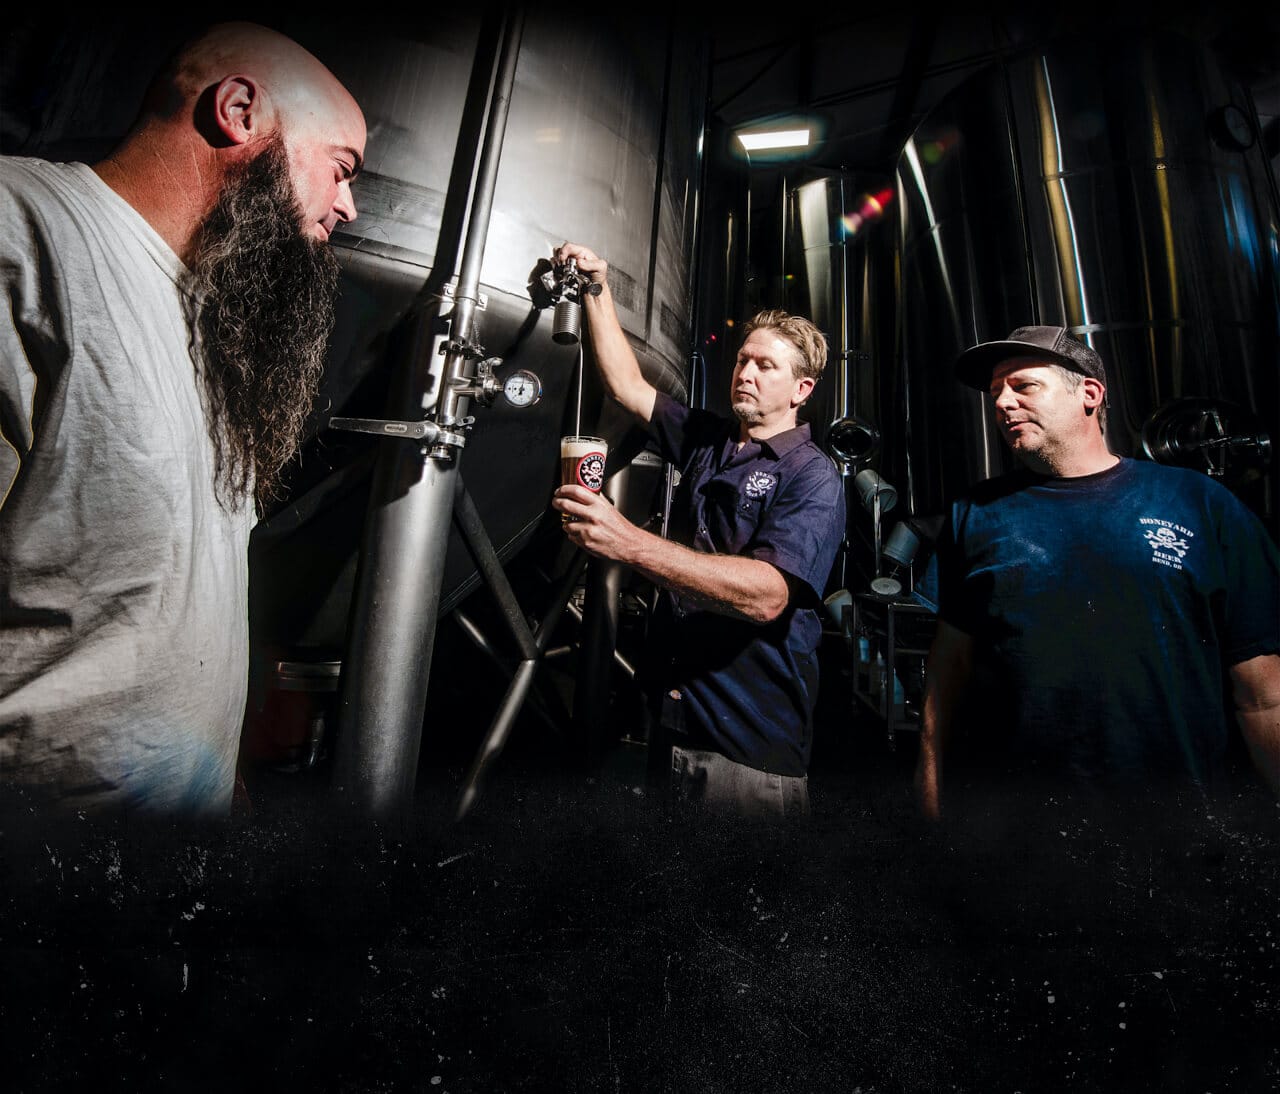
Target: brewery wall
[[1107, 186], [601, 146], [1102, 183], [600, 143], [840, 245]]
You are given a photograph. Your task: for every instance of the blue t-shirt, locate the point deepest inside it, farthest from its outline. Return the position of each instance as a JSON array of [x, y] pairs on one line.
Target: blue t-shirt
[[748, 690], [1104, 610]]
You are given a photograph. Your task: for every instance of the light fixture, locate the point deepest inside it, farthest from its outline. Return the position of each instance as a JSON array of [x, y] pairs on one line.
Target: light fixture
[[769, 140]]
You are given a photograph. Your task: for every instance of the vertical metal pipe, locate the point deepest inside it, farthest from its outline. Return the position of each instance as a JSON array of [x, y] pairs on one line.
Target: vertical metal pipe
[[844, 361], [844, 404], [598, 642], [397, 599], [384, 676], [596, 647]]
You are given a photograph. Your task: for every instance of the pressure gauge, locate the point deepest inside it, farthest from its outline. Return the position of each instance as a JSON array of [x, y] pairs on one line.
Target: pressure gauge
[[1232, 128], [522, 388]]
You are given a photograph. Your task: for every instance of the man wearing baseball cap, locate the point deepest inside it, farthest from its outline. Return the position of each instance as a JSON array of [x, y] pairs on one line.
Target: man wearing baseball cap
[[1098, 616]]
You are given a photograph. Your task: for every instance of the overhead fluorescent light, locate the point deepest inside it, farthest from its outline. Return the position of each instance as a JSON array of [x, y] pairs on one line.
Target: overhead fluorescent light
[[777, 138]]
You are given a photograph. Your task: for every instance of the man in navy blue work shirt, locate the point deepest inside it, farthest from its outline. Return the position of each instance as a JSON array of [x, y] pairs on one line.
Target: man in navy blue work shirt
[[1096, 613], [756, 523]]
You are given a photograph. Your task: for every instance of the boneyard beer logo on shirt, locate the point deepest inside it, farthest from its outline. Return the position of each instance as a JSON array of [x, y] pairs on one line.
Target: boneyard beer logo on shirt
[[1169, 542]]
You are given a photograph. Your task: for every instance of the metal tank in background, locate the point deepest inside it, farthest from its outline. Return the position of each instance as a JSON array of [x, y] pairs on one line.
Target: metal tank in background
[[494, 135], [583, 129], [1115, 187], [597, 147], [829, 244], [840, 237]]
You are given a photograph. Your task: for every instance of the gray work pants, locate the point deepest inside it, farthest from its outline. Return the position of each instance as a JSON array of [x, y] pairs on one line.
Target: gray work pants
[[718, 783]]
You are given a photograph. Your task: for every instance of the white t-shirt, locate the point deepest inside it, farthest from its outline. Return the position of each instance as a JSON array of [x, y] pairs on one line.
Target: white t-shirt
[[123, 581]]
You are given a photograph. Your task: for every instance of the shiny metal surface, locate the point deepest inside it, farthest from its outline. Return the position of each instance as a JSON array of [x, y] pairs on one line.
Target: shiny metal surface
[[417, 491], [601, 146], [837, 235], [1085, 186], [839, 231]]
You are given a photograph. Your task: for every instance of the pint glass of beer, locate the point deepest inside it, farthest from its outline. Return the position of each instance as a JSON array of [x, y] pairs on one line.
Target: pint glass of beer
[[582, 462]]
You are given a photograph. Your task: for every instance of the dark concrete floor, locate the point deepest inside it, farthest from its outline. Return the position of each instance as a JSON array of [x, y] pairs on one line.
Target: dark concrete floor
[[570, 935]]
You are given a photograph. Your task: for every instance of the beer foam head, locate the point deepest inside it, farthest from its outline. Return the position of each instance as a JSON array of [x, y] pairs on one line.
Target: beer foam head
[[580, 446]]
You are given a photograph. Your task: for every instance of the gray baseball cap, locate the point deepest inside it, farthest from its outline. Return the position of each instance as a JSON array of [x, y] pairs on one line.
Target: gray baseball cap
[[974, 366]]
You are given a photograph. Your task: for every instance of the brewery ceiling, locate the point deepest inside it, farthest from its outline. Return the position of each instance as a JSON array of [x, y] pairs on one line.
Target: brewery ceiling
[[870, 78]]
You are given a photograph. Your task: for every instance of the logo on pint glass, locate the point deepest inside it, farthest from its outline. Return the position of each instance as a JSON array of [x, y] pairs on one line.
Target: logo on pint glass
[[591, 471]]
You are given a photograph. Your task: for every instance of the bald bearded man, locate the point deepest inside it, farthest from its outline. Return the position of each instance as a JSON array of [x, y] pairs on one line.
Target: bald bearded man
[[169, 314]]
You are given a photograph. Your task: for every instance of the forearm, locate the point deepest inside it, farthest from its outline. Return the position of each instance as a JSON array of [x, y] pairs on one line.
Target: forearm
[[745, 588], [946, 676], [1261, 732], [733, 585], [614, 358], [928, 775], [1255, 687]]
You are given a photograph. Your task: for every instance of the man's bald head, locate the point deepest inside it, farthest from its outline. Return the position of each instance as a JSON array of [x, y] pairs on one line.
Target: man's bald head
[[226, 47], [224, 98], [242, 160], [284, 68]]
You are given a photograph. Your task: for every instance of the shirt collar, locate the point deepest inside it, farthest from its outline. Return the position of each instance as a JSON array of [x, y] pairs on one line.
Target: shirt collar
[[782, 443]]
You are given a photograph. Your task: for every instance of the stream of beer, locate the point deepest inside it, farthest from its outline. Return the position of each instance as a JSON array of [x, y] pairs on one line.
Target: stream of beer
[[577, 418]]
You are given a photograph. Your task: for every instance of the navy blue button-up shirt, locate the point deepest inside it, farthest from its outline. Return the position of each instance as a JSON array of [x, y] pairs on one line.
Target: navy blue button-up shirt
[[748, 689]]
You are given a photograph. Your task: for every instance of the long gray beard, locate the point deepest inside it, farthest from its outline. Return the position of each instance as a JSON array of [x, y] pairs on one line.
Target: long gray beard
[[269, 304]]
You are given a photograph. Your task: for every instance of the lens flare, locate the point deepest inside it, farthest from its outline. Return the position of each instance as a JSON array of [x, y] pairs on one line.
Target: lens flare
[[871, 208], [935, 149]]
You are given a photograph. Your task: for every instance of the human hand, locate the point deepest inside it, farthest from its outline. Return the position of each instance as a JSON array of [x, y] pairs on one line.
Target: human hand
[[589, 263], [593, 522]]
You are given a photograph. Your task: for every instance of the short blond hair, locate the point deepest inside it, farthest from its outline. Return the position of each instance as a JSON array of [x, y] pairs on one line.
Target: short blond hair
[[808, 340]]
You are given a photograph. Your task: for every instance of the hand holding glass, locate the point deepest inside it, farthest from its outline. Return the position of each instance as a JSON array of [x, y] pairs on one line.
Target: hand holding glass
[[582, 461]]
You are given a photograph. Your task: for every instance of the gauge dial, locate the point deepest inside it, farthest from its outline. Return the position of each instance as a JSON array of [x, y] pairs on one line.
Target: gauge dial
[[522, 388], [1232, 128]]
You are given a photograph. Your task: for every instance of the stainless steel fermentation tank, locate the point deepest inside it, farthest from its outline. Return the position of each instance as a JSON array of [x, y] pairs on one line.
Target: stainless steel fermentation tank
[[491, 141], [494, 135], [1118, 188], [840, 231]]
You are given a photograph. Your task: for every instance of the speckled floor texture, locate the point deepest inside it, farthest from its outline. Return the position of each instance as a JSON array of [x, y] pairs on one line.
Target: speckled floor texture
[[571, 935]]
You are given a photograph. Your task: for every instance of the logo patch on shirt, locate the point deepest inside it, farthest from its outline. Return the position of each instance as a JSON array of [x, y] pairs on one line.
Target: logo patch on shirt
[[1169, 542], [759, 483]]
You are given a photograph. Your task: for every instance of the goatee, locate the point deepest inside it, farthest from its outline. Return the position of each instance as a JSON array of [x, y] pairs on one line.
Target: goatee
[[266, 311]]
